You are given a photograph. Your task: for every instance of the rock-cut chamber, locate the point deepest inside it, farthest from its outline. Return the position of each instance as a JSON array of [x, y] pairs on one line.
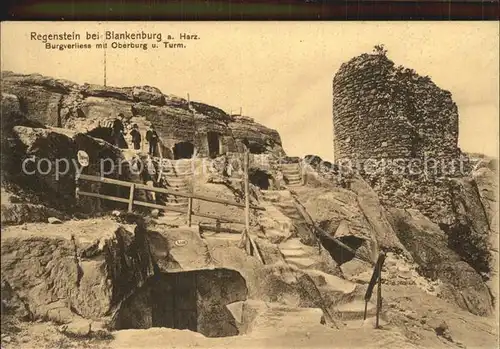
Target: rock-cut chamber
[[192, 300]]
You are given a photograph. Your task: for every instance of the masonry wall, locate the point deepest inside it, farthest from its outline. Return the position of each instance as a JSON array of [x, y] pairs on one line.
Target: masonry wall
[[384, 111], [390, 113]]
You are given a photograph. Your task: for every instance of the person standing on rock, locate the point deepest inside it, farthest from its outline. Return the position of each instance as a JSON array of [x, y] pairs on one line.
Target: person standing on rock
[[118, 130], [136, 137], [278, 179], [152, 138]]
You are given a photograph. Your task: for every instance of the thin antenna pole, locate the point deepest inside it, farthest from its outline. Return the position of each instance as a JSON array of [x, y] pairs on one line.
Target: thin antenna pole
[[241, 111], [104, 64], [247, 191]]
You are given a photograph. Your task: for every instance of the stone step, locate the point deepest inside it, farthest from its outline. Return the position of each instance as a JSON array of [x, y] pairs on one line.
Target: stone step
[[331, 282], [292, 244], [287, 173], [171, 179], [301, 262], [280, 219], [293, 252], [270, 194], [172, 214], [222, 236], [182, 168], [293, 216], [287, 208], [177, 201], [369, 323], [275, 236], [171, 198], [179, 188], [290, 166], [355, 310], [179, 172], [176, 181], [175, 204]]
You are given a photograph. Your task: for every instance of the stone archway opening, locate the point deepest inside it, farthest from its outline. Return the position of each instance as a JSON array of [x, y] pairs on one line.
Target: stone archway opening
[[191, 300], [183, 150], [256, 148], [259, 178], [106, 134], [103, 133], [213, 141]]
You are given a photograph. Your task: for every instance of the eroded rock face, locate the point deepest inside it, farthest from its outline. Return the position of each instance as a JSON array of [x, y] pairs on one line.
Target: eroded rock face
[[486, 179], [469, 235], [87, 107], [44, 161], [194, 300], [39, 96], [428, 245], [354, 216], [376, 216], [77, 268], [38, 156], [11, 116], [12, 214], [148, 94]]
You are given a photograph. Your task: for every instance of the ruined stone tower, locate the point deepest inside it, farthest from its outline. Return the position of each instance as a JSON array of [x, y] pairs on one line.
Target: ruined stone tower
[[405, 127], [384, 111]]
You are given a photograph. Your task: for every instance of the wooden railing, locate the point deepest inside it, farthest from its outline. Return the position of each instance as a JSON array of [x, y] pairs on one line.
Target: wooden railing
[[376, 276], [131, 201]]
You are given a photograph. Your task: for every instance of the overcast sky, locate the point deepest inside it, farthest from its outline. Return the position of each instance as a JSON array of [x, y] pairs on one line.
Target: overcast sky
[[280, 73]]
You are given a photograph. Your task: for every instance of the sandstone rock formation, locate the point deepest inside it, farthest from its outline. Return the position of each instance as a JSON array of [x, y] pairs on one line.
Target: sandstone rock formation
[[129, 275], [182, 125], [428, 245], [77, 269]]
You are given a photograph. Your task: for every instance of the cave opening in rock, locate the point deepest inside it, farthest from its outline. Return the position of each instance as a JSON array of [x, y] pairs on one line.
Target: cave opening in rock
[[256, 148], [253, 146], [471, 247], [214, 145], [259, 178], [183, 150], [339, 254], [106, 134], [103, 133], [191, 300]]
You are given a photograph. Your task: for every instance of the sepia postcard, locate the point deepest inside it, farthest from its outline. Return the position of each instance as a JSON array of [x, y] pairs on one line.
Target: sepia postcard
[[249, 184]]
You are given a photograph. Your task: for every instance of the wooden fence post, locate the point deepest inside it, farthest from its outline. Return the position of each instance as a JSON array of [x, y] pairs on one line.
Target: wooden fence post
[[190, 211], [131, 198], [379, 295]]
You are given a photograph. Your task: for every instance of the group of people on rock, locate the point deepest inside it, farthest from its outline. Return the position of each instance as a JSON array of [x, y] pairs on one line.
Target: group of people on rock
[[118, 133]]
